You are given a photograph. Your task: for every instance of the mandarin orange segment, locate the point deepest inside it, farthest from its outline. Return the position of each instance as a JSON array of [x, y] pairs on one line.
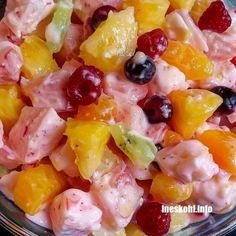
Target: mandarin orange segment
[[150, 14], [191, 108], [104, 110], [222, 145], [167, 190], [36, 186], [171, 138], [192, 62]]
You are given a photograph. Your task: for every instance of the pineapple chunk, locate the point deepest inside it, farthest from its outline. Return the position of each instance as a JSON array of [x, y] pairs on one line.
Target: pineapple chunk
[[199, 7], [150, 14], [133, 230], [112, 43], [10, 106], [88, 140], [36, 186], [38, 60], [178, 222], [182, 4], [191, 108]]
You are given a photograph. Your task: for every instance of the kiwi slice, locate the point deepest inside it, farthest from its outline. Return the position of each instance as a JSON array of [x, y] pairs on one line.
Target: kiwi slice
[[139, 149]]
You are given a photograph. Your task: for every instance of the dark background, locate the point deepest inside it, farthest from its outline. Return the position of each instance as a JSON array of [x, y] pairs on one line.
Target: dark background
[[3, 232]]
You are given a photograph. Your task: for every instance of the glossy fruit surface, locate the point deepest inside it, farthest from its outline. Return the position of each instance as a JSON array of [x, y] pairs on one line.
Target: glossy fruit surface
[[10, 105], [150, 14], [215, 18], [167, 190], [140, 69], [85, 85], [222, 145], [158, 109], [36, 186], [100, 15], [191, 108], [113, 42], [104, 110], [38, 60], [88, 140], [229, 98], [171, 138], [153, 43], [192, 62], [182, 4], [152, 220]]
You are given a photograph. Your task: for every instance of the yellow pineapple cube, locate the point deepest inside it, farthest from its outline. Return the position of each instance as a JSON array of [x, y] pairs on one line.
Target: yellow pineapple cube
[[36, 186], [10, 105], [38, 59], [178, 222], [113, 42], [150, 14], [88, 140], [133, 230], [182, 4]]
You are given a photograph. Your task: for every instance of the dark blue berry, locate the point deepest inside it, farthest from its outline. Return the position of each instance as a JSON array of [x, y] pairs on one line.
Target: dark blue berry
[[101, 15], [158, 146], [158, 109], [140, 69], [229, 99]]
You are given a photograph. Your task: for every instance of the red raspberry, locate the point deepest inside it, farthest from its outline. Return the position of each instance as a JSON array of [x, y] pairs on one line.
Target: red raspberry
[[234, 61], [216, 18], [152, 220], [153, 43]]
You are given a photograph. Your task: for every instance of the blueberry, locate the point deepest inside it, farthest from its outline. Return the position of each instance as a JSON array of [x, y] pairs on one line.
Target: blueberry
[[158, 109], [158, 146], [140, 69], [229, 99]]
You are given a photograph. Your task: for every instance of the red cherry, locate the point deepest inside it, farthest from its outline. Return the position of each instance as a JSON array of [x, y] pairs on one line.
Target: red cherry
[[153, 43], [152, 220], [85, 85], [216, 18]]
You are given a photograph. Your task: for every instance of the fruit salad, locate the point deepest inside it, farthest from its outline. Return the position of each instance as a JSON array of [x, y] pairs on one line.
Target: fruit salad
[[111, 110]]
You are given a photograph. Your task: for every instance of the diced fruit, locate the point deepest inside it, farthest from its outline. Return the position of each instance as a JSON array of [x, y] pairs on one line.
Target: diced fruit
[[215, 18], [153, 43], [178, 222], [104, 110], [234, 61], [100, 15], [140, 69], [158, 109], [133, 230], [84, 86], [152, 220], [192, 62], [38, 60], [171, 138], [36, 186], [229, 98], [191, 108], [56, 30], [199, 7], [140, 149], [222, 145], [88, 140], [113, 42], [10, 106], [182, 4], [150, 14], [167, 190]]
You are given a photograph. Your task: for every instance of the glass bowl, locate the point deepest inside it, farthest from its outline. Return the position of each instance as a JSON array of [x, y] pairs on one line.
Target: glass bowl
[[14, 220]]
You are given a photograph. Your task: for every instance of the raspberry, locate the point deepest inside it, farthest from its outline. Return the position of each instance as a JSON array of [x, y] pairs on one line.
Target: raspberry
[[234, 61], [153, 43], [152, 220], [216, 18]]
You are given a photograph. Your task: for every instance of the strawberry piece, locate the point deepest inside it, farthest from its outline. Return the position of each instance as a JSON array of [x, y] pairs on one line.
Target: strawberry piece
[[152, 220], [216, 18]]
